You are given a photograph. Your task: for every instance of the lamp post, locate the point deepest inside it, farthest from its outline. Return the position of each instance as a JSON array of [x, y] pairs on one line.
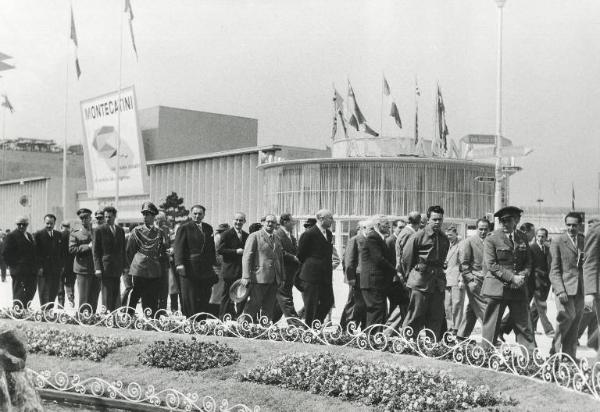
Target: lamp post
[[539, 202], [500, 189]]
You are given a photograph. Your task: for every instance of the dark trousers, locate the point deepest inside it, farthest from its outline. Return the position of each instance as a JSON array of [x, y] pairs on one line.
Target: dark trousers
[[66, 285], [596, 308], [568, 317], [227, 306], [538, 310], [399, 298], [111, 293], [127, 286], [23, 286], [376, 305], [88, 288], [475, 310], [3, 271], [355, 309], [589, 322], [195, 296], [147, 290], [426, 309], [285, 301], [519, 314], [318, 300], [163, 287], [48, 284], [262, 299]]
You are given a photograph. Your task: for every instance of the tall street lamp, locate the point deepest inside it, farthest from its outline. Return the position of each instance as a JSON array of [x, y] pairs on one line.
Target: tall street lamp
[[500, 190]]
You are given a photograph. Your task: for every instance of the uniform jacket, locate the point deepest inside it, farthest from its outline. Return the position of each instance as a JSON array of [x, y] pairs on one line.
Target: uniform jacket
[[290, 250], [79, 246], [541, 262], [262, 261], [377, 263], [564, 273], [315, 253], [423, 259], [195, 250], [453, 264], [109, 251], [49, 251], [471, 259], [20, 253], [145, 250], [231, 268], [503, 261], [591, 266]]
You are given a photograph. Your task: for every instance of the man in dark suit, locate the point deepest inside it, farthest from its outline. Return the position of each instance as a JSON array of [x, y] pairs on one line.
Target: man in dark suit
[[21, 257], [377, 270], [66, 284], [110, 258], [195, 256], [355, 309], [541, 258], [398, 294], [285, 300], [566, 275], [507, 258], [591, 272], [315, 251], [231, 247], [423, 259], [49, 244]]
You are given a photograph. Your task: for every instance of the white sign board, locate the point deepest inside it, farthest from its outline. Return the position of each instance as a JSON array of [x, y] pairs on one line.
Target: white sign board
[[110, 121]]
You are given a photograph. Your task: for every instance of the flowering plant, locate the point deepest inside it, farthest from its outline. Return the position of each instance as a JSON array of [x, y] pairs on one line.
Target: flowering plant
[[181, 355], [65, 344], [384, 386]]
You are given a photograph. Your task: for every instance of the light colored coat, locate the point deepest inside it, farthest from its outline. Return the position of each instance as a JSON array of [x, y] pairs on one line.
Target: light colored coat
[[453, 265], [564, 273], [262, 261]]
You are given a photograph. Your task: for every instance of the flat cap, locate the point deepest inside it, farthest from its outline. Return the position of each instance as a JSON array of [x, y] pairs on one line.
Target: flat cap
[[149, 207], [508, 211], [84, 211]]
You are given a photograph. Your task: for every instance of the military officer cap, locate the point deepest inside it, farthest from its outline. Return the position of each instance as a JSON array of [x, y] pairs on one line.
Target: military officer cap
[[99, 213], [508, 211], [84, 211], [149, 207]]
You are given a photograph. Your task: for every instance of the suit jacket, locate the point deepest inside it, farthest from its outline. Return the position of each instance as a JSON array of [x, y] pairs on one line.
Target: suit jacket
[[390, 243], [403, 237], [453, 264], [20, 253], [564, 273], [541, 263], [471, 259], [352, 258], [49, 251], [290, 250], [231, 268], [109, 251], [424, 262], [502, 261], [315, 253], [591, 266], [262, 261], [79, 246], [377, 263], [195, 250]]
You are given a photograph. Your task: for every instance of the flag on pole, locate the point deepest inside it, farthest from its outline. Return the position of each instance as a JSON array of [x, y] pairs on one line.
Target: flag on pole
[[129, 10], [441, 118], [6, 103], [338, 102], [74, 38], [357, 119], [417, 94], [393, 107], [572, 196]]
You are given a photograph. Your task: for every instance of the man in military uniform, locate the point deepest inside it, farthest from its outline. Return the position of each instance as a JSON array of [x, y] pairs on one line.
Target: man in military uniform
[[80, 245], [507, 257]]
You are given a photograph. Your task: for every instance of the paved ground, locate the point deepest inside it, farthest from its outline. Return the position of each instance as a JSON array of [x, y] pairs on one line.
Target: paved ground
[[340, 292]]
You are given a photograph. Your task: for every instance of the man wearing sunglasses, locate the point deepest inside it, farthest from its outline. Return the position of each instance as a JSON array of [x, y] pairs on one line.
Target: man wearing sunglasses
[[20, 255]]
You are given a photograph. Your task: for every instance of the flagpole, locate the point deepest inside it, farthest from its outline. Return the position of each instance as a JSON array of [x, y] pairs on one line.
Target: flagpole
[[118, 171], [381, 112], [64, 157], [416, 112], [3, 141]]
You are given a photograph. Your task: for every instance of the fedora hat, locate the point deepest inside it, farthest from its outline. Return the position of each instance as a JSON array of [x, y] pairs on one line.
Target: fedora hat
[[237, 292]]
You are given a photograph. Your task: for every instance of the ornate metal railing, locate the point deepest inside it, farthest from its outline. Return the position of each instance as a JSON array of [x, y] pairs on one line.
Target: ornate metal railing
[[515, 359]]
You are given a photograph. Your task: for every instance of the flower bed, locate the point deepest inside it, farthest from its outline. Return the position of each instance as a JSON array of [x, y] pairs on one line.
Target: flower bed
[[65, 344], [191, 355], [386, 387]]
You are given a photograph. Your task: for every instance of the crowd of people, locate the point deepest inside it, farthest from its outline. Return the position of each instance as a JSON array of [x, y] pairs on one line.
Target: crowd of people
[[413, 271]]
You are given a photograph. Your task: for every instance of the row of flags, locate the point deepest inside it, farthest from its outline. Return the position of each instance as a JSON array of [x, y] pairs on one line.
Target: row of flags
[[128, 9], [357, 120]]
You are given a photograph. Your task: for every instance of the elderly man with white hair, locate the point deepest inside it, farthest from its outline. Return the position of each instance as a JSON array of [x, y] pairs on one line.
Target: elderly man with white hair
[[20, 256]]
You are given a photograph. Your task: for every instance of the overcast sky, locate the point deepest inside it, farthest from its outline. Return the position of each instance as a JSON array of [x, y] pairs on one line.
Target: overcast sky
[[276, 60]]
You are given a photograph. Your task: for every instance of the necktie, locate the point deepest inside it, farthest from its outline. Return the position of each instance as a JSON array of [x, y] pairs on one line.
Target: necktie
[[50, 233], [112, 229], [510, 238]]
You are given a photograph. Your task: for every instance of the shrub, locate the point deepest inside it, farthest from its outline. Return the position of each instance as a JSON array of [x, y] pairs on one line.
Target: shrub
[[384, 386], [181, 355], [70, 345]]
